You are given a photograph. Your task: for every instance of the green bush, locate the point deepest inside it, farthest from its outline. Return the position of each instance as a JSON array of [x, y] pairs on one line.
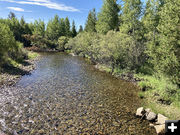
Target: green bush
[[10, 50], [61, 43], [40, 42], [115, 49], [161, 86]]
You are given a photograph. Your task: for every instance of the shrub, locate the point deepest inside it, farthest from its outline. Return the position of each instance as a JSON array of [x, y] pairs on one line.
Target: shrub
[[114, 48], [61, 43]]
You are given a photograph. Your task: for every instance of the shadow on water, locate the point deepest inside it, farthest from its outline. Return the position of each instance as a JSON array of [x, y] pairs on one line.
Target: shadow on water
[[66, 95]]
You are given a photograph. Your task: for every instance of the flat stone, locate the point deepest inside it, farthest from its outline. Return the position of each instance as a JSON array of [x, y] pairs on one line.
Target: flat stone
[[160, 129], [161, 119], [151, 116], [140, 111]]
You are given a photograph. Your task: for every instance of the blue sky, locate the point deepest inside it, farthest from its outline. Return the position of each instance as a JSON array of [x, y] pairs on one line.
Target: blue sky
[[46, 9]]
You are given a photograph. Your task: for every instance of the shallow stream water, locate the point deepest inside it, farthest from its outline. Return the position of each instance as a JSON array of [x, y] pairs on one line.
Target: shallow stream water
[[66, 95]]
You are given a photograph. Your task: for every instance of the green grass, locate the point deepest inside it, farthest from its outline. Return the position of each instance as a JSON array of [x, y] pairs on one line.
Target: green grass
[[104, 68], [13, 62], [160, 94], [32, 55]]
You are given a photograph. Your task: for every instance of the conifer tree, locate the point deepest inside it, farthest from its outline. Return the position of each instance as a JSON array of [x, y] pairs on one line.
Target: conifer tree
[[80, 29], [150, 19], [108, 17], [39, 28], [67, 27], [73, 31], [91, 22], [166, 56], [131, 12], [11, 15], [53, 28], [62, 27]]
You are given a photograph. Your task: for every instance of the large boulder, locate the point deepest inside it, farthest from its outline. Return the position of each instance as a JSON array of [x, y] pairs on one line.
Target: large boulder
[[140, 112], [161, 119], [160, 129]]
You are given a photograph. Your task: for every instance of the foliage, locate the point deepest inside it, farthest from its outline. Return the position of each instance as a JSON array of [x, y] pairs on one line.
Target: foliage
[[114, 48], [40, 42], [61, 43], [53, 28], [80, 29], [108, 17], [131, 12], [39, 28], [32, 55], [161, 86], [73, 31], [67, 27], [91, 22], [9, 47], [165, 57]]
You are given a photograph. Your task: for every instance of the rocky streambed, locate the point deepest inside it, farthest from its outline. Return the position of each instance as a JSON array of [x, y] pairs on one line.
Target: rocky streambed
[[66, 95]]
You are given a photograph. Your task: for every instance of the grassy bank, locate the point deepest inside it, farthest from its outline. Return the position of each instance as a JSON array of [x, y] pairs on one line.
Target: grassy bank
[[160, 94], [14, 70]]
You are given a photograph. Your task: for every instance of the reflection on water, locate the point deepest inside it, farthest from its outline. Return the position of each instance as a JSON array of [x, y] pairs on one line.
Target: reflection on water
[[66, 95]]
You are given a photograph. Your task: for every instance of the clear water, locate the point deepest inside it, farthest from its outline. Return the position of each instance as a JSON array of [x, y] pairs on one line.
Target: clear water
[[67, 95]]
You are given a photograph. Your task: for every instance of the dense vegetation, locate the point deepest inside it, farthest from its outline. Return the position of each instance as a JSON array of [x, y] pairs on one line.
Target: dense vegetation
[[128, 38], [16, 34]]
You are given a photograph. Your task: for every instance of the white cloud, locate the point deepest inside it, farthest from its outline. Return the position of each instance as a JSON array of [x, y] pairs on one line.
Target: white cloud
[[16, 9], [45, 3]]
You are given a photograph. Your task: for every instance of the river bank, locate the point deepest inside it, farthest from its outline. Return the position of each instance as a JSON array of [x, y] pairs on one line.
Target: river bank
[[149, 97], [11, 74], [150, 90]]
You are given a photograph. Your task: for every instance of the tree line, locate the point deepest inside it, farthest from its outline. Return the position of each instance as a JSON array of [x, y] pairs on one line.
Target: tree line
[[17, 34]]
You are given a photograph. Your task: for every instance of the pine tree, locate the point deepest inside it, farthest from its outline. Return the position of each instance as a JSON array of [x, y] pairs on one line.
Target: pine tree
[[31, 27], [80, 29], [73, 31], [62, 27], [11, 15], [131, 12], [91, 22], [22, 21], [53, 28], [67, 27], [150, 22], [15, 28], [108, 17], [24, 27], [39, 28], [166, 57]]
